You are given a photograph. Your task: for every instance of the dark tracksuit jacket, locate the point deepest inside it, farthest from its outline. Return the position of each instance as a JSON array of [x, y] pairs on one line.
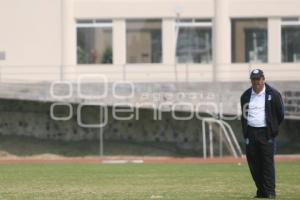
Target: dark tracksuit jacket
[[273, 107]]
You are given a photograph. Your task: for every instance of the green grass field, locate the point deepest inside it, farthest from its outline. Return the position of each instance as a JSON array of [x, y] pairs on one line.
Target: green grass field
[[139, 181]]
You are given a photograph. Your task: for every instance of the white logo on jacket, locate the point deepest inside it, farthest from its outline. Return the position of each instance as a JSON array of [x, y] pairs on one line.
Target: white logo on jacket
[[269, 97]]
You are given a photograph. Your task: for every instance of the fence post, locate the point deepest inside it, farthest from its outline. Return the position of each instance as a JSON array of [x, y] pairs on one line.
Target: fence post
[[211, 147]]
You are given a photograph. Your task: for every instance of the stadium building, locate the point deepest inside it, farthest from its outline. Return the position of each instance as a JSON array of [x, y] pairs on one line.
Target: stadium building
[[167, 57]]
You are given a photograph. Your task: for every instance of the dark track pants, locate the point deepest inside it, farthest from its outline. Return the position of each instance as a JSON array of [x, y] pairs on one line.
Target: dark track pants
[[260, 156]]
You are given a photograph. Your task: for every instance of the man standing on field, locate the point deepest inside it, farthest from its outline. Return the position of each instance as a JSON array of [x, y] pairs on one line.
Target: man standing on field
[[262, 113]]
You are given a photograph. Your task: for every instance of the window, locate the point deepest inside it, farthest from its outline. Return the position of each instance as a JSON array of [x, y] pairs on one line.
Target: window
[[290, 40], [249, 40], [94, 42], [194, 41], [144, 41]]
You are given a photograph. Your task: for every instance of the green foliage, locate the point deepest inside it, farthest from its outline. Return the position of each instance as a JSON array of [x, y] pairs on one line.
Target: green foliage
[[107, 56], [82, 57]]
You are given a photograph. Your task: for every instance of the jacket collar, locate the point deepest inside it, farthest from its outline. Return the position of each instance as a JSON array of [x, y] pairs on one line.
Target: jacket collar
[[260, 93], [268, 90], [268, 87]]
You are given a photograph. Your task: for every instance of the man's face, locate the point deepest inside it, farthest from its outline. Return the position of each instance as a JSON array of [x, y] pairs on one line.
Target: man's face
[[258, 84]]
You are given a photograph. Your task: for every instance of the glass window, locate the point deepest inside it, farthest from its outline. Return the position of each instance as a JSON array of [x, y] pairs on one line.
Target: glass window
[[194, 41], [290, 40], [249, 40], [144, 41], [94, 42]]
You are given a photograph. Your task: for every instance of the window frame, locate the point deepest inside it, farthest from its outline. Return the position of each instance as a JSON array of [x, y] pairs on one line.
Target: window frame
[[93, 23], [126, 41], [193, 23], [288, 22], [233, 36]]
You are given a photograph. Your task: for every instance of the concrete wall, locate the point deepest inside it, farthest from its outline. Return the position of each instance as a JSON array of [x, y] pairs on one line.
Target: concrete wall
[[28, 118], [201, 96]]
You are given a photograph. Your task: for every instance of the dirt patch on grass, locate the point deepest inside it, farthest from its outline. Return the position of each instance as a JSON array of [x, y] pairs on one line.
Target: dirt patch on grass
[[48, 158]]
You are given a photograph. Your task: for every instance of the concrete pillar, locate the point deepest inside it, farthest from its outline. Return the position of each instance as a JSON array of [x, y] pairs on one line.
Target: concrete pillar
[[221, 36], [68, 35], [168, 39], [274, 40], [119, 42]]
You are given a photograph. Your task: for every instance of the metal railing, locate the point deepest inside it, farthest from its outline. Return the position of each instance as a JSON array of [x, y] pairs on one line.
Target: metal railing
[[225, 130], [180, 72], [126, 72]]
